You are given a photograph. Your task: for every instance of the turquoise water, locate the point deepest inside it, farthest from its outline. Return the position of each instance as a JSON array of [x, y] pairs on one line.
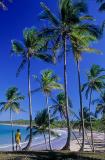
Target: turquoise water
[[5, 134], [6, 137]]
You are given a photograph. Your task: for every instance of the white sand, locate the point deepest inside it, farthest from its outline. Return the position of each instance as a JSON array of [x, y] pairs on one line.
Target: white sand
[[58, 143]]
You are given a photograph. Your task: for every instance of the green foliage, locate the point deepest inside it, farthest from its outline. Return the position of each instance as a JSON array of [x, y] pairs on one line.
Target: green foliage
[[40, 125], [13, 100], [70, 25], [48, 82], [95, 80], [59, 105], [32, 45], [87, 114]]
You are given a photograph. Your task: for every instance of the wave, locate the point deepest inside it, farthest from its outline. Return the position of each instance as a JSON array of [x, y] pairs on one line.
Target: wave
[[35, 142]]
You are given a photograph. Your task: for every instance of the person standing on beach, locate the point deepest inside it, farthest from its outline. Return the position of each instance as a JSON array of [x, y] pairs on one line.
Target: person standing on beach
[[18, 139]]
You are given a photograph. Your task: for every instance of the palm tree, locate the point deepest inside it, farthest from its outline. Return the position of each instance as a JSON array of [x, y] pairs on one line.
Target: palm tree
[[100, 108], [87, 114], [59, 105], [41, 125], [100, 104], [12, 104], [81, 46], [78, 124], [31, 46], [95, 82], [48, 82], [63, 30]]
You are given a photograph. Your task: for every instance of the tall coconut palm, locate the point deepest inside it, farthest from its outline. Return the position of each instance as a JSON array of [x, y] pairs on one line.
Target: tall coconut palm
[[95, 82], [64, 29], [41, 125], [31, 46], [81, 45], [78, 124], [48, 82], [58, 106], [12, 103]]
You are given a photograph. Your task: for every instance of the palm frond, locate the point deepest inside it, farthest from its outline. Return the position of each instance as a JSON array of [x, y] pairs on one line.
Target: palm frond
[[35, 90], [83, 87], [47, 15], [102, 7], [17, 47], [21, 67], [86, 17], [45, 57]]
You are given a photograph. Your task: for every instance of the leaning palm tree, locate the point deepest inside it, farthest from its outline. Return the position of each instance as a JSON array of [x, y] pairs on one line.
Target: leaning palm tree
[[31, 46], [95, 82], [41, 125], [63, 29], [12, 104], [48, 82]]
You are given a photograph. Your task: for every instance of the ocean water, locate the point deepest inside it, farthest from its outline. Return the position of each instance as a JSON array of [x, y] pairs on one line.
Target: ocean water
[[5, 134], [6, 138]]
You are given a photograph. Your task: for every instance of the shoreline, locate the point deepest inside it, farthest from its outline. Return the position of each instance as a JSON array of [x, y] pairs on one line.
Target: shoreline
[[58, 142], [8, 124]]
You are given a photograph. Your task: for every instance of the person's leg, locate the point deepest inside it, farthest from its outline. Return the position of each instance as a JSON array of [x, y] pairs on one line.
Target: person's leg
[[16, 146], [19, 147]]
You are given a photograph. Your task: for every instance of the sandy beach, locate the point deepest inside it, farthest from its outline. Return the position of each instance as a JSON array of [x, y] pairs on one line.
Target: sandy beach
[[75, 146], [59, 142]]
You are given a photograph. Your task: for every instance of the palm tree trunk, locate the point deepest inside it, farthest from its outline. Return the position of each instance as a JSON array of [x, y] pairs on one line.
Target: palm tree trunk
[[104, 140], [81, 108], [88, 139], [76, 138], [45, 140], [30, 107], [12, 130], [49, 130], [67, 145], [91, 121]]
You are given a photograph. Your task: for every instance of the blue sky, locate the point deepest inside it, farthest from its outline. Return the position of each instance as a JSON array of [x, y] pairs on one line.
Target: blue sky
[[24, 13]]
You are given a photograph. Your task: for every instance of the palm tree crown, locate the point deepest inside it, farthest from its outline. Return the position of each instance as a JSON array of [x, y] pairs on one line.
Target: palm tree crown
[[95, 80], [100, 104], [87, 115], [13, 98], [59, 105], [41, 122], [48, 82], [32, 46]]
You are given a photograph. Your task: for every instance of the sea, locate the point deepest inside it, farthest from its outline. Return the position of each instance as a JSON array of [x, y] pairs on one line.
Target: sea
[[6, 136]]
